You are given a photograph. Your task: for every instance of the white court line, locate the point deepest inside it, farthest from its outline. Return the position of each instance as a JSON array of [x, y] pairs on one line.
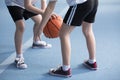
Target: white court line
[[10, 59]]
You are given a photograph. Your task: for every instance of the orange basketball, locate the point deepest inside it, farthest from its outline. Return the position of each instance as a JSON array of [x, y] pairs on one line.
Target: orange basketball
[[52, 28]]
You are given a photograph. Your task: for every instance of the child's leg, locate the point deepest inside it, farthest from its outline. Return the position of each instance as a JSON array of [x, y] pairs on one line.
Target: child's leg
[[64, 70], [18, 44], [17, 16], [37, 20], [37, 42], [90, 39], [19, 36], [65, 43]]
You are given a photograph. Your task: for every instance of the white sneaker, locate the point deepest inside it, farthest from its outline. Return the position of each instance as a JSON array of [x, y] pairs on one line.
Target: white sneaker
[[41, 44], [20, 63]]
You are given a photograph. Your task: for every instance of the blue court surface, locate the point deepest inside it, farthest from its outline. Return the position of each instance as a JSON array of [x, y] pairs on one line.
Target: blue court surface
[[107, 33]]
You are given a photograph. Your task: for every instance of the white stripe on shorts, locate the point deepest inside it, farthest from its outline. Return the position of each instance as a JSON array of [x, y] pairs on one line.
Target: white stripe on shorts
[[71, 15]]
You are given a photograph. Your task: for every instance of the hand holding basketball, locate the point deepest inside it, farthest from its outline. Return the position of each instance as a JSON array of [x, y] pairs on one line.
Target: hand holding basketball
[[52, 28]]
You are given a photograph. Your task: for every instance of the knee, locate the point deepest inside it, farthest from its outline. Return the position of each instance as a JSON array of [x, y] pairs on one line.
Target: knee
[[37, 23], [37, 20], [63, 35], [87, 33], [65, 32], [20, 27], [87, 29]]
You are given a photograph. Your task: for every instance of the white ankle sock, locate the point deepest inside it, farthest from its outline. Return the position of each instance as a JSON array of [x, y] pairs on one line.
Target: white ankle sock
[[39, 42], [19, 55], [92, 61], [65, 67]]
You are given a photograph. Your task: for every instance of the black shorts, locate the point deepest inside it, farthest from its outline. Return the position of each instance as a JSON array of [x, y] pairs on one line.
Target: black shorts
[[81, 12], [18, 13]]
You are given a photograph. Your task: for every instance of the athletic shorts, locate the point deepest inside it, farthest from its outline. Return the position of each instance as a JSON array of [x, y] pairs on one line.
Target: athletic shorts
[[18, 13], [81, 12]]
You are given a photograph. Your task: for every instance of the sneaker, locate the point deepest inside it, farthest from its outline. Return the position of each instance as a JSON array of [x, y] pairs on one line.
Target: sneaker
[[90, 66], [59, 72], [20, 63], [41, 44]]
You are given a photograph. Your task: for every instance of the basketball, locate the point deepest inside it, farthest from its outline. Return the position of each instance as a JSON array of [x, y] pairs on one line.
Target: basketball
[[52, 28]]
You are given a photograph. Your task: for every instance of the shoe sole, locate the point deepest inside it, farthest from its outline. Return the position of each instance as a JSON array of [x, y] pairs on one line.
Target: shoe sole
[[15, 62], [89, 67], [43, 47], [58, 75]]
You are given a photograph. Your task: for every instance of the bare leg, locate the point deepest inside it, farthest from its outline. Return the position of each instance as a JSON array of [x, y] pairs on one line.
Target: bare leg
[[37, 41], [90, 39], [18, 44], [65, 43], [37, 20], [19, 36]]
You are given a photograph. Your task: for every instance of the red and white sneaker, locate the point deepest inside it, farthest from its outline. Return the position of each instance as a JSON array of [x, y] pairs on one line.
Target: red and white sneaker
[[59, 72], [90, 66]]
